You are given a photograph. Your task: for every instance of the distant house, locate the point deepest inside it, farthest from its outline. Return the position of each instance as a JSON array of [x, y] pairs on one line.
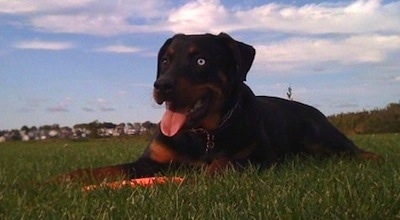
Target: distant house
[[131, 131], [66, 132], [25, 137], [93, 129], [53, 133], [34, 134]]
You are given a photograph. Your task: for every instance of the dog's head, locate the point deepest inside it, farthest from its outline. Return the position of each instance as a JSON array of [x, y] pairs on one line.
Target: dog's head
[[196, 76]]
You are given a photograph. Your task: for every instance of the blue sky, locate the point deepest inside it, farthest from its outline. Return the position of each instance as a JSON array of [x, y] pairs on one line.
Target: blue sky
[[70, 62]]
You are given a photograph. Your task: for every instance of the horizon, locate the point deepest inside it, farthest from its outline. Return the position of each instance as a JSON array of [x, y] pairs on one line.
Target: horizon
[[156, 122], [76, 62]]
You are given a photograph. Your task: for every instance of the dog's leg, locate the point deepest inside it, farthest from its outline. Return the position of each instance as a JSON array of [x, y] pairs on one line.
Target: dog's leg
[[217, 166], [143, 167], [96, 174], [367, 155]]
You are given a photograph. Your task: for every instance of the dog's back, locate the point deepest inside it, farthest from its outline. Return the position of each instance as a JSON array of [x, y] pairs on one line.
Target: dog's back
[[307, 128]]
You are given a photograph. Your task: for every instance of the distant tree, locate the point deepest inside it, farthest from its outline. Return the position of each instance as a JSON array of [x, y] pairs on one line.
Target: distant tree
[[289, 93], [137, 125], [45, 127], [121, 128], [386, 120], [55, 126], [149, 125], [129, 125], [25, 129], [80, 126], [15, 135], [108, 125], [94, 127]]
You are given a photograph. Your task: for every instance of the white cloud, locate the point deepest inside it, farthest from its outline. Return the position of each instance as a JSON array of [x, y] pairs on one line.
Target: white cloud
[[105, 18], [119, 17], [122, 92], [98, 105], [58, 108], [22, 7], [363, 31], [345, 32], [119, 48], [88, 109], [106, 109], [357, 17], [101, 101], [199, 16], [13, 7], [290, 54], [104, 105], [62, 106], [43, 45], [90, 24]]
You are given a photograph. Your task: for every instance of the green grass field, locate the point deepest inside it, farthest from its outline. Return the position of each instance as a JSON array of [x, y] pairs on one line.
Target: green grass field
[[302, 188]]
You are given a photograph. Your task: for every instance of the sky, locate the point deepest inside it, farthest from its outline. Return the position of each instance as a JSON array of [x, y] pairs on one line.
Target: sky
[[70, 62]]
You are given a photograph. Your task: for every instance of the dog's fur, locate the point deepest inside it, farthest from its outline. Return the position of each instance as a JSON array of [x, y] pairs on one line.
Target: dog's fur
[[213, 119]]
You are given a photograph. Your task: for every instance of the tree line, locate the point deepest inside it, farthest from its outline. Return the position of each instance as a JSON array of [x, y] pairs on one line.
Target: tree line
[[386, 120]]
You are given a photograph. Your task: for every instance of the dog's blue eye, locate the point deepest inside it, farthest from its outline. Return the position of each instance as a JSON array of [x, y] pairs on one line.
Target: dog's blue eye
[[201, 61]]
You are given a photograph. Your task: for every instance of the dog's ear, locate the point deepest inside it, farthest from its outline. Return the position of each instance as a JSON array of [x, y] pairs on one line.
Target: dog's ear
[[161, 53], [243, 55]]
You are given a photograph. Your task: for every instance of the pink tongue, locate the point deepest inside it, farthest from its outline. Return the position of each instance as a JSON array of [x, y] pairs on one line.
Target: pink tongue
[[171, 122]]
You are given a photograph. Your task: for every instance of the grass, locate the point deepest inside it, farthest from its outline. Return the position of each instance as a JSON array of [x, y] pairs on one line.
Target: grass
[[302, 188]]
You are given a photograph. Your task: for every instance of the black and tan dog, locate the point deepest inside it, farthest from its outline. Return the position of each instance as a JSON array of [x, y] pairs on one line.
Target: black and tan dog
[[213, 119]]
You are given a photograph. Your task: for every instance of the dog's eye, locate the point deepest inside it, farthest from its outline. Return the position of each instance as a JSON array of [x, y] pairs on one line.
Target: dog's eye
[[164, 61], [201, 61]]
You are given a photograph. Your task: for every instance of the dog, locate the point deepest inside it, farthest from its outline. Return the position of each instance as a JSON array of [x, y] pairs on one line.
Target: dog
[[213, 119]]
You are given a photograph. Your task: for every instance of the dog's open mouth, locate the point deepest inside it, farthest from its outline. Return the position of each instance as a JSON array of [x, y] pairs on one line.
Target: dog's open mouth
[[175, 118]]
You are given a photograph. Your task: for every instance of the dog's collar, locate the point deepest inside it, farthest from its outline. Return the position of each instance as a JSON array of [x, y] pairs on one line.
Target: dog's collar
[[227, 120], [210, 144]]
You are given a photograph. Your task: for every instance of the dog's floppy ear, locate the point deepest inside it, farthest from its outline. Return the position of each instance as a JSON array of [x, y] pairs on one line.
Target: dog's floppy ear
[[243, 54]]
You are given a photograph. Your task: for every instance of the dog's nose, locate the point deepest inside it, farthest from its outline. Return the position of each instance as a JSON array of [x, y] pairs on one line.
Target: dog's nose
[[164, 85]]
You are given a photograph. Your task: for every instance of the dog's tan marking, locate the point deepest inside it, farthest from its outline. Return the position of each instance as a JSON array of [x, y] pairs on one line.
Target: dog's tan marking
[[222, 76], [170, 51], [193, 50], [221, 163], [217, 166], [161, 153], [246, 152], [365, 155]]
